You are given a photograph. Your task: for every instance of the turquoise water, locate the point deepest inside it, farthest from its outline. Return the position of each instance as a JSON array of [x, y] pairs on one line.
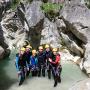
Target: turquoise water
[[7, 72], [71, 74]]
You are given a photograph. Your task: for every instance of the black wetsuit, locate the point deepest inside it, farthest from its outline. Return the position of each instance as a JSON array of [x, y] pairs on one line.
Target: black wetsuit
[[41, 63], [48, 54]]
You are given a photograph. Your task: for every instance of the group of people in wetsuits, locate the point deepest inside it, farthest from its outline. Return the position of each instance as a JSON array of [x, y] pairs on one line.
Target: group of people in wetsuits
[[37, 63]]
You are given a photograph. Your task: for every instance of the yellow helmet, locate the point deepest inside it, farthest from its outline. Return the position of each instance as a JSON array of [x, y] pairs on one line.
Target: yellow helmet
[[34, 51], [47, 46], [55, 50], [22, 49], [28, 46], [40, 47]]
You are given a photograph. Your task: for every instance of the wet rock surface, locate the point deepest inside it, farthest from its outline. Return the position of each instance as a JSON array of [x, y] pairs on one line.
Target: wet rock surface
[[82, 85]]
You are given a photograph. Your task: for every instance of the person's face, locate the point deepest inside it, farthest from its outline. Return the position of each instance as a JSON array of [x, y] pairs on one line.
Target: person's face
[[27, 49], [40, 50], [47, 49], [54, 53], [21, 52], [34, 54]]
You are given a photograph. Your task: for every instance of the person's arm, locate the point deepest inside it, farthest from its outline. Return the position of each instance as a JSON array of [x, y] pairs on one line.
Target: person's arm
[[16, 63], [56, 61], [27, 64], [30, 61], [44, 55], [36, 60]]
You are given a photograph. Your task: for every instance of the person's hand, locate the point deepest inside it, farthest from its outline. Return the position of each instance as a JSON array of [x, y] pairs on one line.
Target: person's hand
[[50, 60], [19, 72], [59, 62], [28, 68]]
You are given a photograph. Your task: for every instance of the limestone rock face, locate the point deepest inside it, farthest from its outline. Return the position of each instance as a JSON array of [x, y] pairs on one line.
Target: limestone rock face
[[77, 19], [50, 34], [82, 85], [34, 13], [4, 51], [77, 16], [72, 45], [13, 30], [87, 58], [32, 17]]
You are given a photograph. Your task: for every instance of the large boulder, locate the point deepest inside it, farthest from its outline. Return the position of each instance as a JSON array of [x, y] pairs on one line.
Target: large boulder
[[77, 19], [82, 85], [67, 56], [25, 23], [60, 24], [86, 64], [76, 16], [13, 30], [32, 15], [50, 34], [72, 46]]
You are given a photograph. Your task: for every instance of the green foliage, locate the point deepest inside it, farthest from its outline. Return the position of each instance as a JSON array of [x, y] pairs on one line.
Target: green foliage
[[14, 4], [51, 10], [47, 7]]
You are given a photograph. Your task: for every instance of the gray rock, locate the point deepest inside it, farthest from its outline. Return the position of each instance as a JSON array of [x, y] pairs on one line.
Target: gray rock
[[3, 46], [87, 58], [34, 13], [13, 31], [83, 33], [2, 39], [82, 85], [56, 1], [72, 46], [60, 24], [77, 19], [50, 34], [4, 5], [1, 53], [32, 20], [66, 56]]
